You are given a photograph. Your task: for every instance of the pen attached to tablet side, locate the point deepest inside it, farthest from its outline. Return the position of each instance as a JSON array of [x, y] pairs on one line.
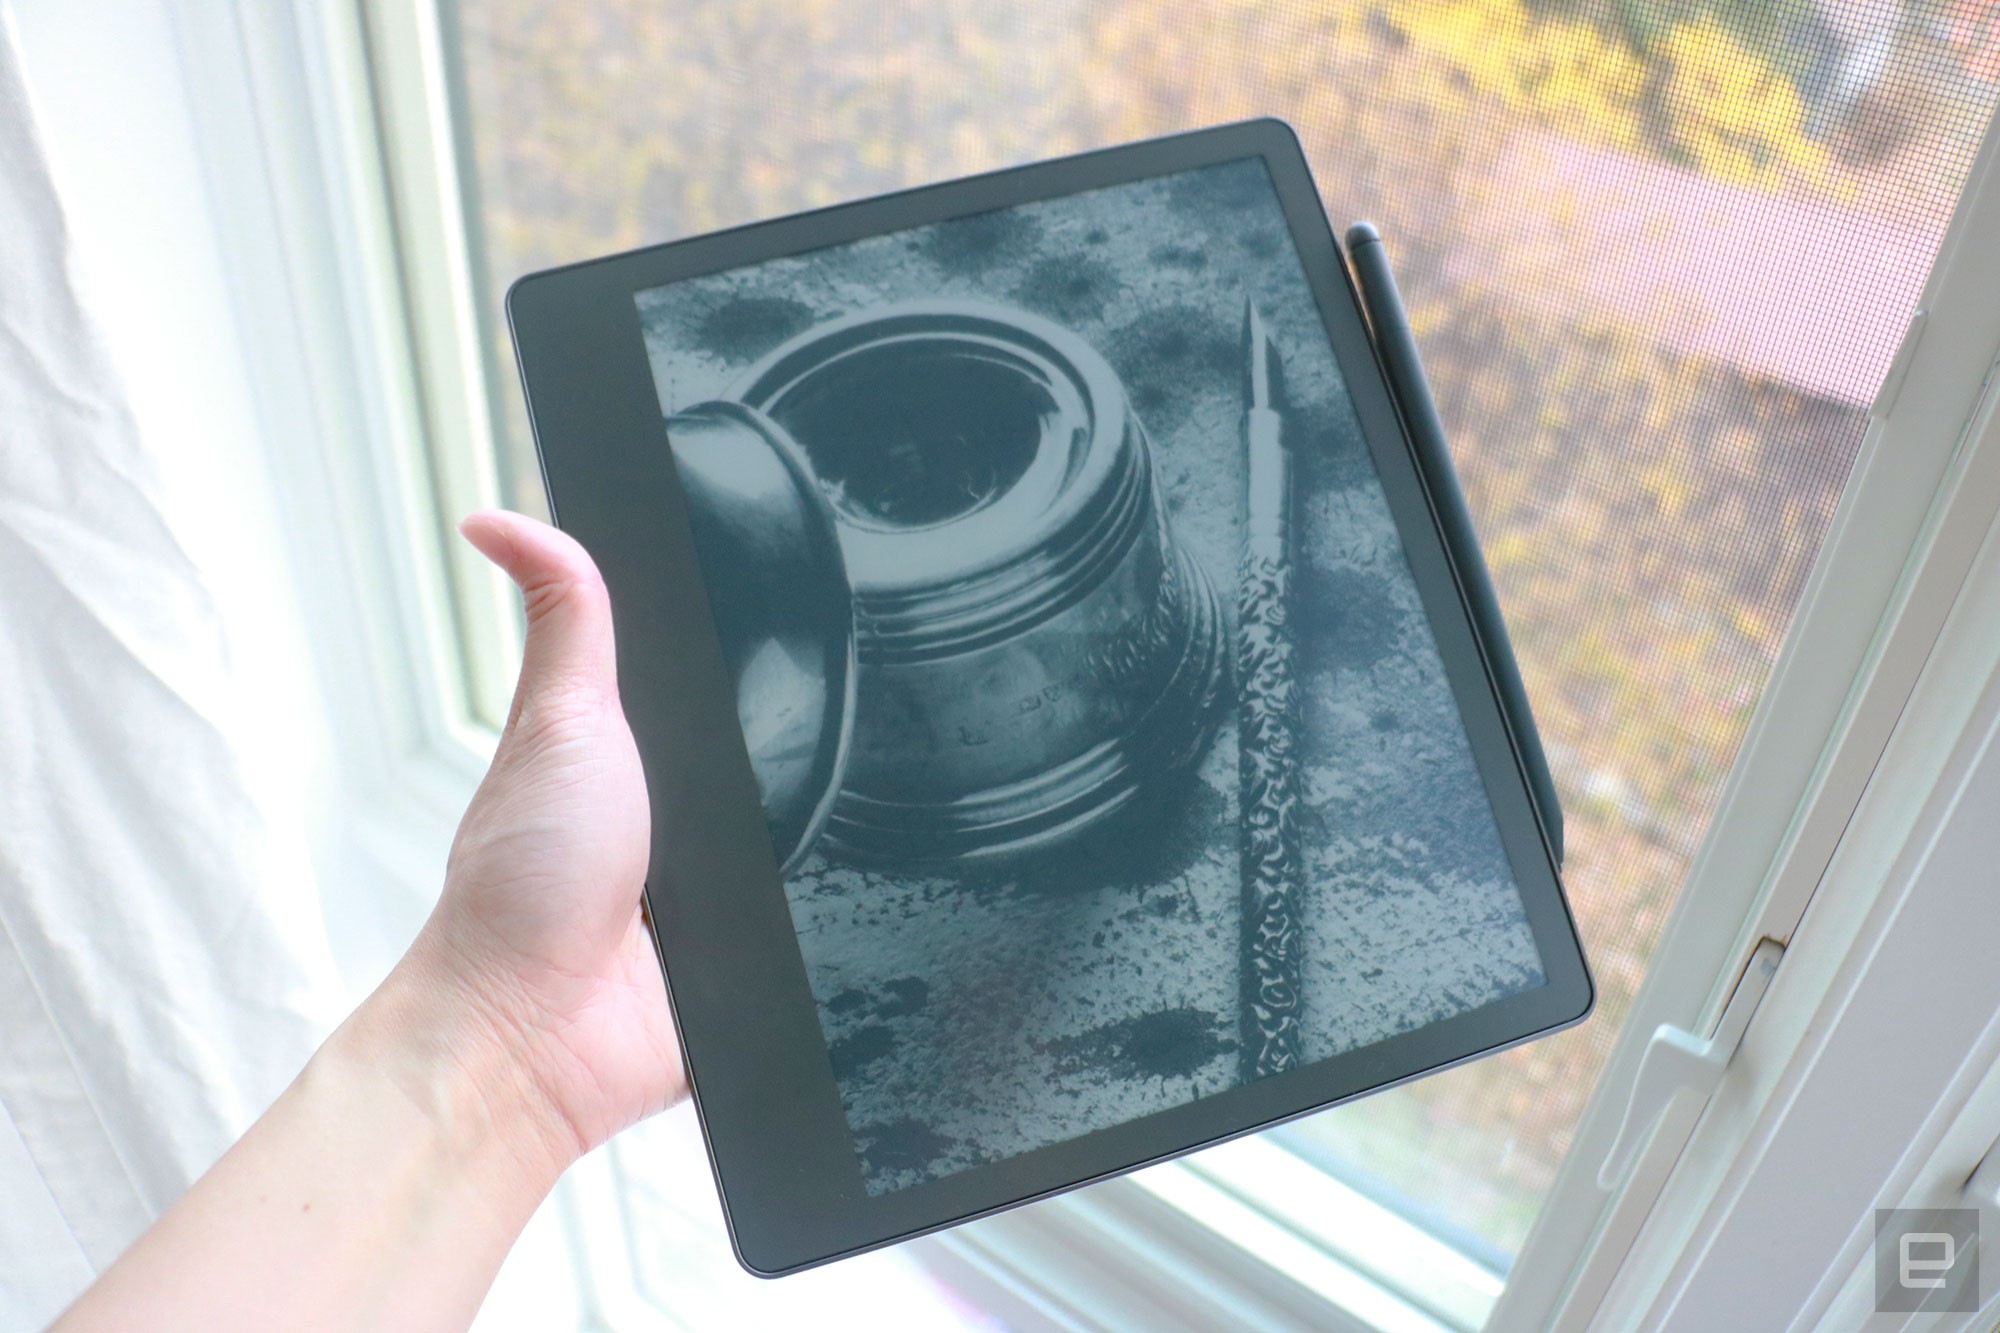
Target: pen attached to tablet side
[[1268, 719], [1398, 348]]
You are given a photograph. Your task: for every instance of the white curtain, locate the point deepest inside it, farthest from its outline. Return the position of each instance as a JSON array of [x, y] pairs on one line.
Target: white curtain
[[163, 972]]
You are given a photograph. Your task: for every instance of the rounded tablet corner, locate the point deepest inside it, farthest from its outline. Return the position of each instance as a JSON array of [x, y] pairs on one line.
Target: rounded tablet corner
[[1279, 127], [1589, 982], [770, 1271], [511, 301]]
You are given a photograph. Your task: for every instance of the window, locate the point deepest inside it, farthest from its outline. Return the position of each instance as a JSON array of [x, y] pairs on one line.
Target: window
[[1659, 256]]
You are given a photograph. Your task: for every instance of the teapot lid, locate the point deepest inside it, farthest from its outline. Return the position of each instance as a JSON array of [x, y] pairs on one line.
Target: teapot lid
[[783, 608]]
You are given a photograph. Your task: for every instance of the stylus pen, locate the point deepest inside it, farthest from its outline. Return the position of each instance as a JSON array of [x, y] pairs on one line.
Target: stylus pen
[[1267, 722], [1398, 348]]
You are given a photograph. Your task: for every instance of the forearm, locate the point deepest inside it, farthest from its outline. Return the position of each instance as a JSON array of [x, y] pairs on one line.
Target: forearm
[[381, 1191], [528, 1023]]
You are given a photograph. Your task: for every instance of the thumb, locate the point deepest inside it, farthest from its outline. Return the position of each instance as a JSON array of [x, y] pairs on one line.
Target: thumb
[[569, 655]]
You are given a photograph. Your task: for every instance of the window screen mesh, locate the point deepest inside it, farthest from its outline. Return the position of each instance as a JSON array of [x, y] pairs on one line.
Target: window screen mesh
[[1658, 257]]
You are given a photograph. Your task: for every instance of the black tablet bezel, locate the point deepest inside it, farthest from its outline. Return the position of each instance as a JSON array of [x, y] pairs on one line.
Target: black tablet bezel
[[780, 1146]]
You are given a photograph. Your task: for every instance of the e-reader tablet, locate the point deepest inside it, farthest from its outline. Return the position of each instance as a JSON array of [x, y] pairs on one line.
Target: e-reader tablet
[[1069, 739]]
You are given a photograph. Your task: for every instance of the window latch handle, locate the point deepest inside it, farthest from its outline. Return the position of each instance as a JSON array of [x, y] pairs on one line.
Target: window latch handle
[[1676, 1062]]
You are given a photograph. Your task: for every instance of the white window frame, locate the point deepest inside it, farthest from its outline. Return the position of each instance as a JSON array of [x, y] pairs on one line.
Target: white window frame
[[358, 358], [1875, 1049], [1894, 557], [330, 128]]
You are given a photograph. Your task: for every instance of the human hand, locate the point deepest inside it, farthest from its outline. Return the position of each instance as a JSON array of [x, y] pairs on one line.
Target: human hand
[[537, 935], [527, 1024]]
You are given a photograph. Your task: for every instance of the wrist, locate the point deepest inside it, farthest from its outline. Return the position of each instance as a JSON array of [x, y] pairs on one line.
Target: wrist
[[451, 1057]]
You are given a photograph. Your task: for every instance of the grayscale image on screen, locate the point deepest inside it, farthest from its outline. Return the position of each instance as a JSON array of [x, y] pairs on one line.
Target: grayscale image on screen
[[1099, 728]]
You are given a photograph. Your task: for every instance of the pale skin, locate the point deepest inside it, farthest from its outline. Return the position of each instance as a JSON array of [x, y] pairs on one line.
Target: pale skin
[[527, 1024]]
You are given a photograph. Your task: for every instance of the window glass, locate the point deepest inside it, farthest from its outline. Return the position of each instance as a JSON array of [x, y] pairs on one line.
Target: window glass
[[1658, 254]]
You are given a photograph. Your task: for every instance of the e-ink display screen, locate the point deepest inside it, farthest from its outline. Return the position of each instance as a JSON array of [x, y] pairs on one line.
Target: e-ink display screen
[[1099, 726]]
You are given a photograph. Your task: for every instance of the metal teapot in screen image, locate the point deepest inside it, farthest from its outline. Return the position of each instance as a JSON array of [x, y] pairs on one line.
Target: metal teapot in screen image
[[959, 626]]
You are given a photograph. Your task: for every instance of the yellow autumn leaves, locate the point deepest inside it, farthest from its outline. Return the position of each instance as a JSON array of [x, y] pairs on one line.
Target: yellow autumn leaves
[[1701, 97]]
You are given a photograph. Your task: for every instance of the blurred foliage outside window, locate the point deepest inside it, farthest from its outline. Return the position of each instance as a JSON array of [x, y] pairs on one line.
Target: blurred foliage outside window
[[1658, 254]]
